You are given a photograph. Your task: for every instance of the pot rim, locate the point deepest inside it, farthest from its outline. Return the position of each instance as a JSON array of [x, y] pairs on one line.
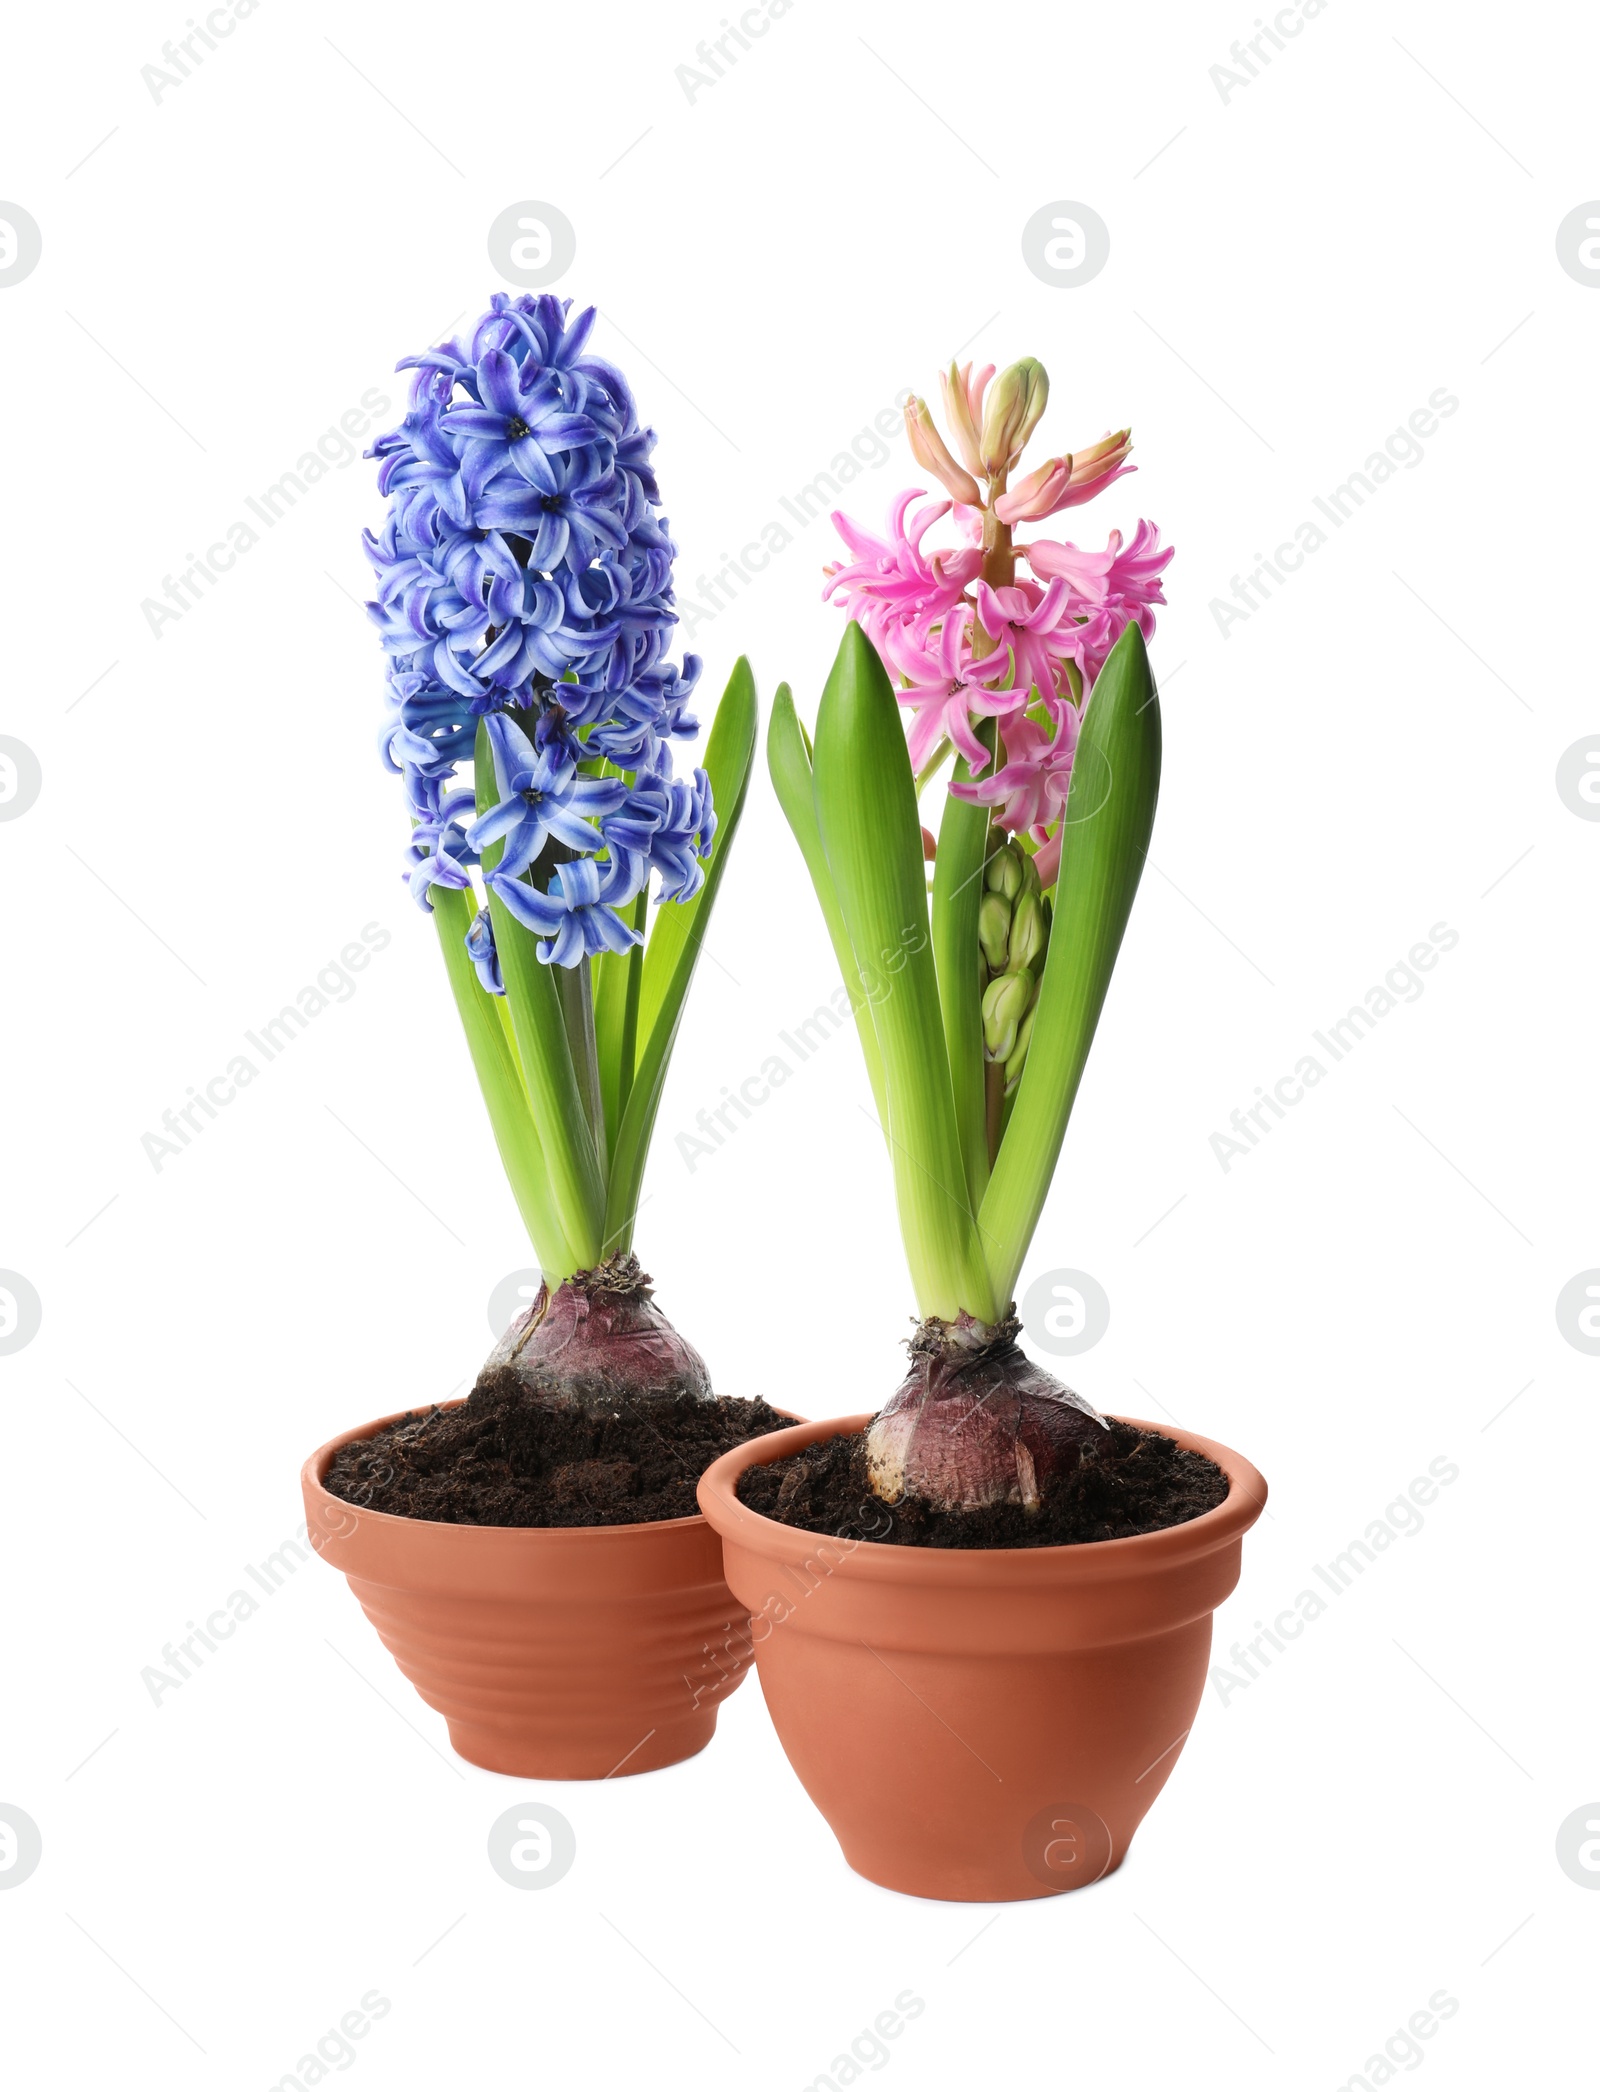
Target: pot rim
[[1218, 1527], [313, 1470]]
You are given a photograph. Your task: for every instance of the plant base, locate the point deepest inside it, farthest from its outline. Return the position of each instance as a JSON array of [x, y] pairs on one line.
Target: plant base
[[1127, 1482], [597, 1340], [553, 1653], [980, 1725], [505, 1457]]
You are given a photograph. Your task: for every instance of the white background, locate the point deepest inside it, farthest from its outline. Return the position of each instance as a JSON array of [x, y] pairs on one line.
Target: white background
[[1292, 272]]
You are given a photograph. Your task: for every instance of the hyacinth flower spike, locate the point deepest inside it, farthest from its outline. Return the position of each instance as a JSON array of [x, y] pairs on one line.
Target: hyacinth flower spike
[[976, 1004], [524, 599]]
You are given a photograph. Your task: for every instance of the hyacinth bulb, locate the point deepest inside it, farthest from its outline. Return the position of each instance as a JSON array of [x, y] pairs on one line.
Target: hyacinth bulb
[[975, 1422], [598, 1341]]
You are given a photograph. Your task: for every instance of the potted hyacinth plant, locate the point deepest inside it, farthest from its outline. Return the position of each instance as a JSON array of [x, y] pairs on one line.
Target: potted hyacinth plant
[[1004, 1636], [533, 1555]]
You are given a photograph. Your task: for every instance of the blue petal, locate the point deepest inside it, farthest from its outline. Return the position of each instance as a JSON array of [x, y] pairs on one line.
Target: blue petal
[[536, 911], [525, 844], [527, 455], [551, 542], [498, 821], [482, 422], [566, 826], [567, 947], [515, 760], [497, 383]]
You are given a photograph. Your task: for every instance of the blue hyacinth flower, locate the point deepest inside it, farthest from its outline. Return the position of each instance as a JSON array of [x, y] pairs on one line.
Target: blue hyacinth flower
[[546, 797], [575, 918], [524, 578]]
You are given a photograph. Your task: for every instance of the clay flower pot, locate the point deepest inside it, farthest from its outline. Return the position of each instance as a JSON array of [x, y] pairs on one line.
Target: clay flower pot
[[554, 1653], [982, 1725]]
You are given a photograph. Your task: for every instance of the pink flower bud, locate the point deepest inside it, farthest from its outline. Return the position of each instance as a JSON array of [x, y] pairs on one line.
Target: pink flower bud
[[1039, 494], [963, 408], [1067, 482], [928, 448]]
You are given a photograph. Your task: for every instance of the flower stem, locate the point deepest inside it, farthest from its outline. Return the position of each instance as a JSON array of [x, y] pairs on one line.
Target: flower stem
[[933, 766], [999, 561], [616, 1020], [994, 1105], [575, 987], [957, 893]]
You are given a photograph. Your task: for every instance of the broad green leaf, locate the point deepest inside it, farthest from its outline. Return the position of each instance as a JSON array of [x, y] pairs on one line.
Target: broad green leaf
[[500, 1078], [1111, 806], [866, 804], [672, 953], [789, 764]]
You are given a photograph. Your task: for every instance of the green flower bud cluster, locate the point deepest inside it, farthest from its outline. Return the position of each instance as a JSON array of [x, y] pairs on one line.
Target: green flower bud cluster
[[1013, 935]]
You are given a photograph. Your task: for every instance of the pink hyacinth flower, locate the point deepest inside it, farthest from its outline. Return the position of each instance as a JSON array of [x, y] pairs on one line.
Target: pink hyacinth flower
[[1108, 591], [945, 706], [1029, 790], [946, 687], [892, 587], [1046, 635], [1032, 627], [1133, 575]]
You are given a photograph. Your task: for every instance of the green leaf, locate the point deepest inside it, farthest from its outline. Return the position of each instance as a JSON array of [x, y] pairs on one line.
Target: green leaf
[[1111, 807], [789, 764], [672, 952], [577, 1192], [677, 926], [616, 1021], [500, 1078], [957, 894], [866, 804]]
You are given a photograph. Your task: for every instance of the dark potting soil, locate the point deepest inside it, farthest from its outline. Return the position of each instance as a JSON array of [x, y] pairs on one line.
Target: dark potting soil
[[504, 1457], [1132, 1482]]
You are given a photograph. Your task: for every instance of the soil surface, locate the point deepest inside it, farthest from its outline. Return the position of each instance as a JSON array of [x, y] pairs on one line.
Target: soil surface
[[507, 1458], [1133, 1482]]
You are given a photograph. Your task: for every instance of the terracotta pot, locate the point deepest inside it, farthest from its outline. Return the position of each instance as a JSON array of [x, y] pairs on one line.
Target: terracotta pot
[[554, 1653], [986, 1724]]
